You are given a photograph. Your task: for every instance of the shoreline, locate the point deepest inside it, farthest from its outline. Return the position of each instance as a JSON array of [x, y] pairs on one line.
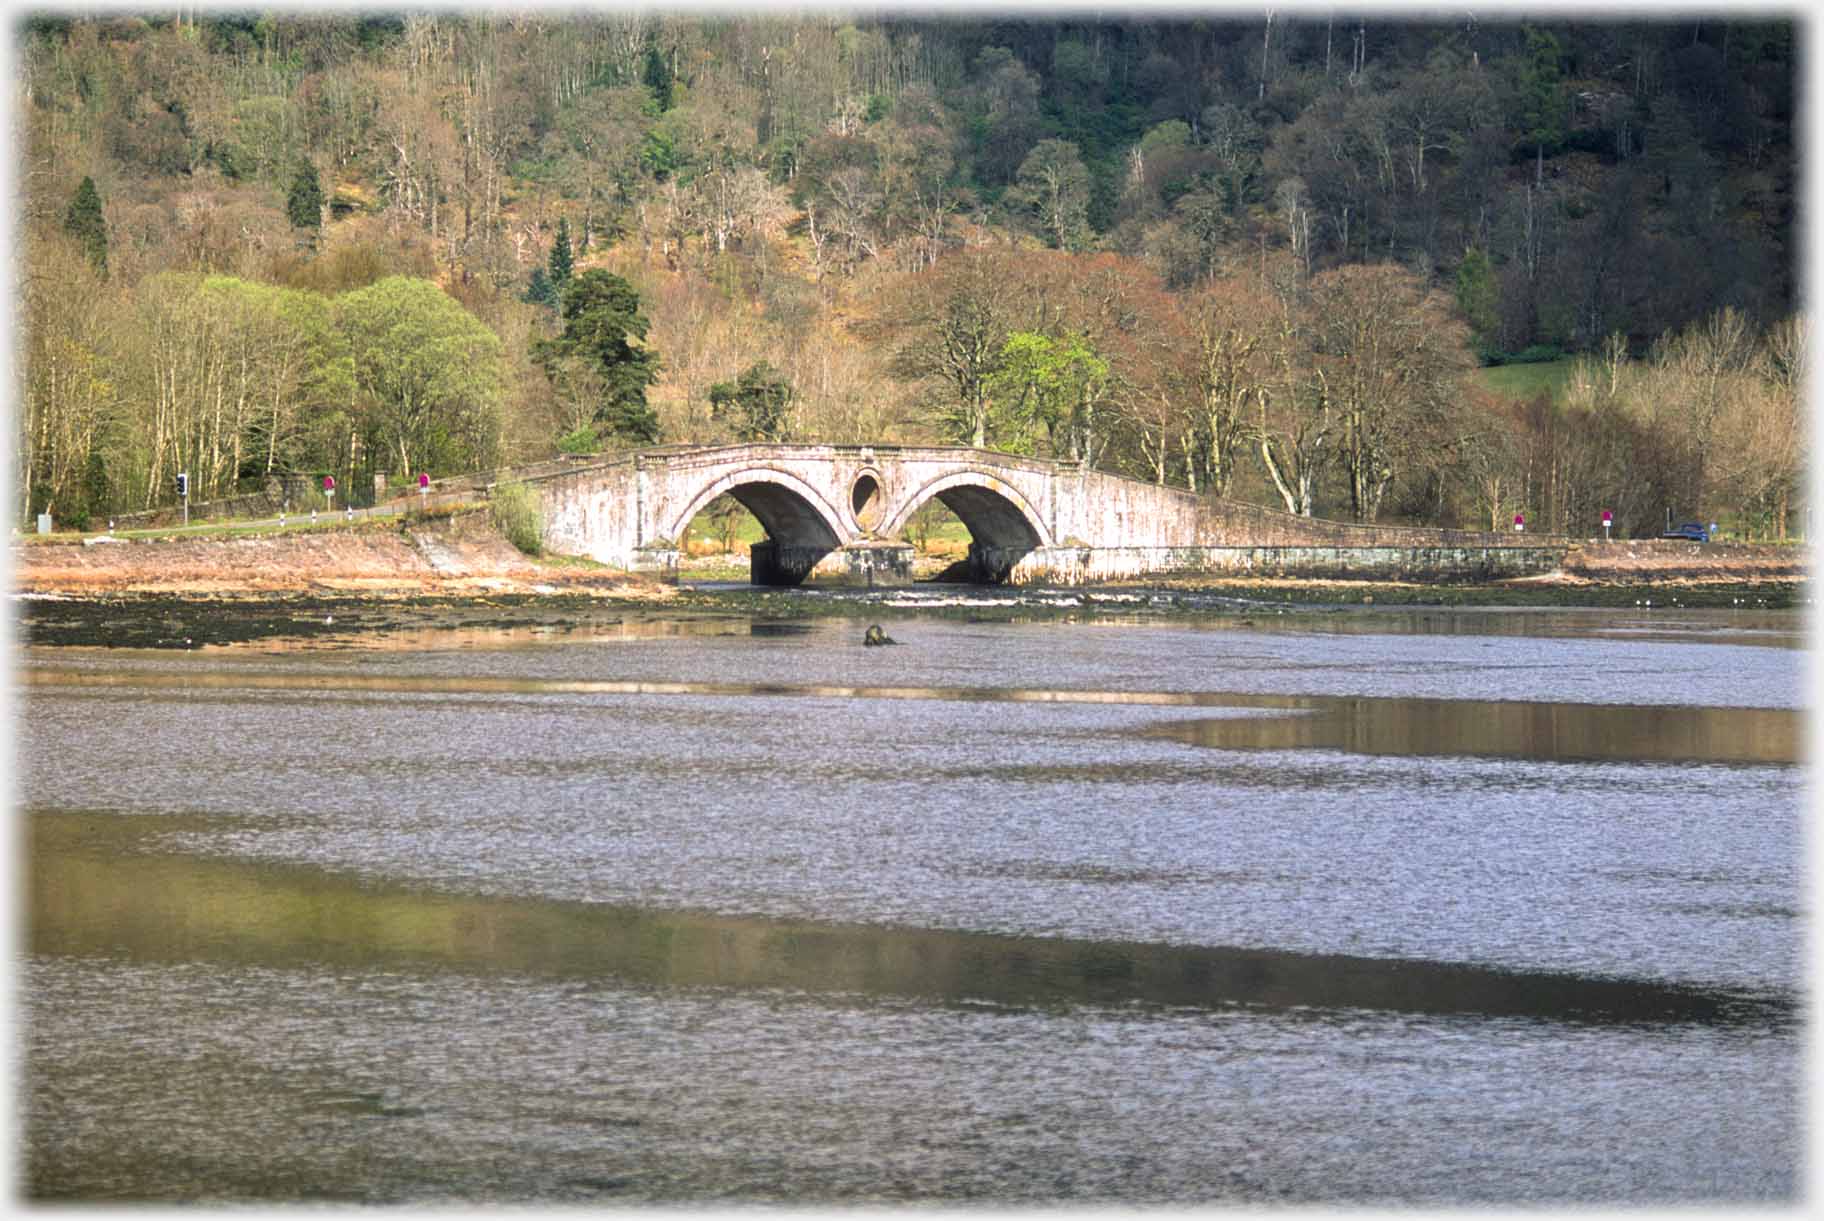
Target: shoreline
[[459, 572], [183, 621]]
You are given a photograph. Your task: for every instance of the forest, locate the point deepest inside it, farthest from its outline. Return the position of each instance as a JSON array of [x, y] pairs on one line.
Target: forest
[[1265, 255]]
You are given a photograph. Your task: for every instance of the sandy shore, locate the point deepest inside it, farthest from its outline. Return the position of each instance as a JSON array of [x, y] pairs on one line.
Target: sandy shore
[[465, 556], [442, 556]]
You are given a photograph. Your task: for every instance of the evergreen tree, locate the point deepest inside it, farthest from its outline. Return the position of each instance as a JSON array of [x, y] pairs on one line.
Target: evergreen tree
[[540, 291], [85, 222], [1478, 297], [1542, 104], [304, 202], [602, 321], [562, 260], [97, 491], [657, 77]]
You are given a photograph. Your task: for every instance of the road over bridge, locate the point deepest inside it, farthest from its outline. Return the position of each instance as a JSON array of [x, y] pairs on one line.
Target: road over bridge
[[841, 511]]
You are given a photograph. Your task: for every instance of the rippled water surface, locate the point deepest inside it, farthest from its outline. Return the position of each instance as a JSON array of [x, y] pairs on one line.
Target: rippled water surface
[[1472, 907]]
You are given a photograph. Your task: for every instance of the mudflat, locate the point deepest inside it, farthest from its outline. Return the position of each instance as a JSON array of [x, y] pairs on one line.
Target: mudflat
[[459, 572]]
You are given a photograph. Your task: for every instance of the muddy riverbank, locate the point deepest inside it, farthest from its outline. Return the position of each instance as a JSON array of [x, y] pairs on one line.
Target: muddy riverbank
[[328, 584]]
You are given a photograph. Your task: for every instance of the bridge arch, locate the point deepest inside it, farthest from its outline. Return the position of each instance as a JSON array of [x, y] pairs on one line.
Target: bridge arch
[[996, 514], [792, 512]]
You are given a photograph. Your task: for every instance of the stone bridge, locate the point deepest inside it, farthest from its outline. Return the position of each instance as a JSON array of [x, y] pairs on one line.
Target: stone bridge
[[841, 511]]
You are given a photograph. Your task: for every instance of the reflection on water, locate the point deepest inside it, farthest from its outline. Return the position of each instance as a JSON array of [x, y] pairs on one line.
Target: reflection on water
[[1512, 730], [94, 890], [1363, 726]]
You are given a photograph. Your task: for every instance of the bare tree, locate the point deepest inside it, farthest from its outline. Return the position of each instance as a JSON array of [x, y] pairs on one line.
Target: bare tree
[[1229, 323], [954, 321], [1295, 424], [1054, 185], [1389, 353]]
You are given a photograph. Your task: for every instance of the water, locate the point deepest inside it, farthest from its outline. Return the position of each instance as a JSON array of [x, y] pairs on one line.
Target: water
[[1440, 908]]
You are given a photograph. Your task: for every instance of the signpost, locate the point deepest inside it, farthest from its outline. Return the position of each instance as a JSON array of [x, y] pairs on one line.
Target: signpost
[[183, 493], [1519, 522], [1607, 518], [424, 490], [329, 491]]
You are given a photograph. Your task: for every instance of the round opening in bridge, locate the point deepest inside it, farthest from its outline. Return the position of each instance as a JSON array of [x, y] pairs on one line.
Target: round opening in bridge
[[864, 498]]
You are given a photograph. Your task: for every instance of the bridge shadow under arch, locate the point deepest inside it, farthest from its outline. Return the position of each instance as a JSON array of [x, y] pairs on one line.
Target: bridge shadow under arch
[[1003, 526], [801, 528]]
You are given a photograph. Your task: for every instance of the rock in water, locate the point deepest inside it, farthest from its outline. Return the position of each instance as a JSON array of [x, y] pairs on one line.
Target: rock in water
[[876, 636]]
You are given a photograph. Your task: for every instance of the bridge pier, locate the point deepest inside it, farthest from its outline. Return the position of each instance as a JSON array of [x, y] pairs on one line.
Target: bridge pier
[[989, 564], [867, 565], [772, 563], [877, 565]]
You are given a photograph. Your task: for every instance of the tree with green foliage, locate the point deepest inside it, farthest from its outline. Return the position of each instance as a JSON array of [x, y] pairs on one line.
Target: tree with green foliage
[[97, 488], [1007, 123], [428, 373], [518, 512], [304, 202], [540, 290], [85, 222], [1543, 107], [758, 403], [67, 393], [1478, 298], [582, 440], [563, 260], [604, 332], [1233, 140], [656, 75], [1173, 133], [1056, 384], [291, 366]]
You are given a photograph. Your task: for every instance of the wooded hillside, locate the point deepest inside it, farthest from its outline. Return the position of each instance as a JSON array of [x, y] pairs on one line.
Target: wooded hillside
[[1258, 254]]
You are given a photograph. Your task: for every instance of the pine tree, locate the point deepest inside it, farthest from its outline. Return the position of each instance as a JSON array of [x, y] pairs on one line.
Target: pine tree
[[304, 204], [605, 331], [85, 222], [657, 77], [1479, 299], [562, 260], [97, 492], [539, 291]]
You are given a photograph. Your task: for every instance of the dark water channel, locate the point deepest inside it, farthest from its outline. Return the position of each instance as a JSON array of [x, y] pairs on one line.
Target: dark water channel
[[1467, 908]]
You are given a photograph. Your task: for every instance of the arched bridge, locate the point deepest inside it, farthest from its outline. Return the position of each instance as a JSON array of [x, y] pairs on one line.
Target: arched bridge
[[843, 509]]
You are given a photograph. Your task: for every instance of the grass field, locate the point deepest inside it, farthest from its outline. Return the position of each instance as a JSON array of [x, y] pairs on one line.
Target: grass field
[[1526, 381]]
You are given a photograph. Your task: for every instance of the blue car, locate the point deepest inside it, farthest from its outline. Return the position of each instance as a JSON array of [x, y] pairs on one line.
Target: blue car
[[1690, 532]]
